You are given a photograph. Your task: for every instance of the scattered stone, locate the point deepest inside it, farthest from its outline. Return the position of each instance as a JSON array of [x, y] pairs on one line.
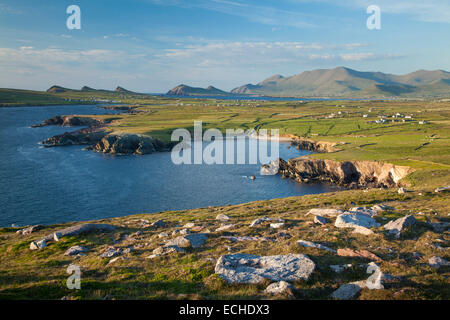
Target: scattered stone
[[222, 217], [346, 292], [276, 225], [352, 220], [244, 238], [261, 220], [189, 225], [246, 268], [73, 251], [38, 245], [281, 287], [225, 227], [321, 220], [111, 252], [382, 207], [191, 240], [158, 224], [81, 228], [442, 189], [325, 212], [365, 210], [29, 230], [358, 253], [309, 244], [401, 191], [395, 227], [363, 231], [163, 235], [437, 262], [338, 269], [161, 251]]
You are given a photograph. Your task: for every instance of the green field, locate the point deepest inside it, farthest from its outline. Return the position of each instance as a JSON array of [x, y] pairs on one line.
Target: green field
[[26, 274]]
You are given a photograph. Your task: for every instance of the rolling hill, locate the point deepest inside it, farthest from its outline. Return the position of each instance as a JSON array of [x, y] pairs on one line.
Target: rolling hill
[[345, 82], [184, 90]]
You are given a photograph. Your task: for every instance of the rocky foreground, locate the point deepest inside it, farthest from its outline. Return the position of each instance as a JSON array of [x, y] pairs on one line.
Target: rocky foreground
[[289, 248]]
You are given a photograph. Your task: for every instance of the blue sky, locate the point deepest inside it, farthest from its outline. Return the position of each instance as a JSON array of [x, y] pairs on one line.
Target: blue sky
[[154, 45]]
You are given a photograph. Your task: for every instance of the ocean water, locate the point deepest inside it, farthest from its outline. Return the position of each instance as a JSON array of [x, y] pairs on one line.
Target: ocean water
[[53, 185]]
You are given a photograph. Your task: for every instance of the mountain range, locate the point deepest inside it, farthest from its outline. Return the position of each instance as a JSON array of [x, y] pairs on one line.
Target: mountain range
[[339, 82]]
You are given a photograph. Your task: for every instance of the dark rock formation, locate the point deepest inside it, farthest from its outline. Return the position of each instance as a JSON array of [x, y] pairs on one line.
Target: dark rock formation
[[352, 174], [87, 136], [129, 144], [317, 146], [69, 121]]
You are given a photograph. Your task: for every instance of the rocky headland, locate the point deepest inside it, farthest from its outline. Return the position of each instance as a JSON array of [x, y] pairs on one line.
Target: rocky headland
[[350, 174]]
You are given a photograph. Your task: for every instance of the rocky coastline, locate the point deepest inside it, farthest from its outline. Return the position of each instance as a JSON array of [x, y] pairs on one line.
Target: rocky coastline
[[349, 174], [70, 121]]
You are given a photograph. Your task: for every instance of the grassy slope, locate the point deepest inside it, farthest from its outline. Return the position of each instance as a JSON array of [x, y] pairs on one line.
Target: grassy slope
[[30, 274]]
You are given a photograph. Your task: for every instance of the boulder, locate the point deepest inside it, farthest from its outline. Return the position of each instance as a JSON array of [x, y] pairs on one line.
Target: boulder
[[247, 268], [81, 228], [244, 238], [225, 227], [396, 227], [437, 262], [191, 240], [353, 220], [276, 225], [259, 221], [111, 252], [29, 230], [222, 217], [325, 212], [346, 292], [365, 210], [362, 230], [73, 251], [36, 245], [281, 287], [309, 244]]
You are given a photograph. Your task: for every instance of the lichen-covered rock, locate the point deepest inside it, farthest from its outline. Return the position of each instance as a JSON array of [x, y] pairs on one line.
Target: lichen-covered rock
[[396, 227], [247, 268], [222, 217], [36, 245], [194, 240], [309, 244], [74, 250], [281, 287], [81, 228], [29, 230], [111, 252], [437, 262], [362, 230], [325, 212], [353, 220], [347, 291]]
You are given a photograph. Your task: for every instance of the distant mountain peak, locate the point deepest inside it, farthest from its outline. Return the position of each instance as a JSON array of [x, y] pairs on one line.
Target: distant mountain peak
[[345, 82], [185, 90]]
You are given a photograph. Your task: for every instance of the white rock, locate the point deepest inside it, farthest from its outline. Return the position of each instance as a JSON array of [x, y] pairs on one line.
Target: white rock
[[246, 268], [325, 212], [401, 191], [395, 227], [74, 250], [437, 262], [280, 287], [222, 217], [38, 245], [363, 231], [225, 227], [309, 244], [346, 292], [189, 225], [276, 225], [194, 240], [353, 220]]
